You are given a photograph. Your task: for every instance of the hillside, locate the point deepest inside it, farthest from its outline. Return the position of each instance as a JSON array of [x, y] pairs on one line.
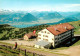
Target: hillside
[[65, 20], [9, 32], [68, 19], [76, 24], [76, 16]]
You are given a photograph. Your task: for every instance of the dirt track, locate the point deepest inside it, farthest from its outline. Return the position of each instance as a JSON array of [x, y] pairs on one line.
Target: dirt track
[[20, 42], [72, 51]]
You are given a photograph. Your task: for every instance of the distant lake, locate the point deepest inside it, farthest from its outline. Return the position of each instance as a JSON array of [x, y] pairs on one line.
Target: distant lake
[[23, 26]]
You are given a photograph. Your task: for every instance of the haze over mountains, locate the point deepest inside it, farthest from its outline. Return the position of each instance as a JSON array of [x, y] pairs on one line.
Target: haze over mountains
[[36, 18], [49, 15]]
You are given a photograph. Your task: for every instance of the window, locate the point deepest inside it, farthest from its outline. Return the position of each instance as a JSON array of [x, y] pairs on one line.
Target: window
[[39, 34], [52, 39], [45, 39], [45, 31], [58, 38], [45, 36], [48, 33], [39, 37], [55, 42], [55, 38]]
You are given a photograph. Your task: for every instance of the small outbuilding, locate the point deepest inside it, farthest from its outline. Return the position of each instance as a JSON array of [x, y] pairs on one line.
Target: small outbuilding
[[42, 44], [29, 36]]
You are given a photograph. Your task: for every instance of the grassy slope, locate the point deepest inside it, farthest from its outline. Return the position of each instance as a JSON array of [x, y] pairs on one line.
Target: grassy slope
[[7, 32], [77, 27]]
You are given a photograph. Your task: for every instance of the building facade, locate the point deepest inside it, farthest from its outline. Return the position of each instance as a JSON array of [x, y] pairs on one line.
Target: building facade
[[56, 34]]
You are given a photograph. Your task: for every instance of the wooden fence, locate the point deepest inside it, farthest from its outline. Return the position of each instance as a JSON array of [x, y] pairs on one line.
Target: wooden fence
[[24, 50]]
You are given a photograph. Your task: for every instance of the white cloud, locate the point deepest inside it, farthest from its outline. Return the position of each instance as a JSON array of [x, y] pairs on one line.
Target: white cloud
[[67, 7], [72, 5]]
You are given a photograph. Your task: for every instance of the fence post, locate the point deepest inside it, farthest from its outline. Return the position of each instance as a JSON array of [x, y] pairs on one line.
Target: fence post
[[19, 50], [33, 54], [25, 52]]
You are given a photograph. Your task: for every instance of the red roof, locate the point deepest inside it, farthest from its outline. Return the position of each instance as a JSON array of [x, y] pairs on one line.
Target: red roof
[[60, 28], [29, 35]]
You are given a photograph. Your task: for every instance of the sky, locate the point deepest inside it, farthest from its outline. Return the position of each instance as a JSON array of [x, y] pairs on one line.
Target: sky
[[40, 5]]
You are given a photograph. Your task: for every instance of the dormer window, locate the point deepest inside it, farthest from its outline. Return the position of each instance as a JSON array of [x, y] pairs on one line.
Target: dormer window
[[55, 29], [66, 28]]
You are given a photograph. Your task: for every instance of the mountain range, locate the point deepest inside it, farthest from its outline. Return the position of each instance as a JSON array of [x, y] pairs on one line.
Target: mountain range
[[30, 17]]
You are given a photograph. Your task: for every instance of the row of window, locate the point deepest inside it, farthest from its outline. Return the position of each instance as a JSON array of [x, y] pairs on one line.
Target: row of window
[[62, 37], [58, 38], [45, 32], [56, 42], [44, 39], [39, 34], [65, 33], [43, 35]]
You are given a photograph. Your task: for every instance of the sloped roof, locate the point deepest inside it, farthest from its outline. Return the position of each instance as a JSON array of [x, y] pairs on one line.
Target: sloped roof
[[30, 34], [42, 43], [60, 28]]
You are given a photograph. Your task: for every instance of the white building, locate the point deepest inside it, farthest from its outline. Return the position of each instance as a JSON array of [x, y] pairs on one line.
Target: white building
[[56, 34]]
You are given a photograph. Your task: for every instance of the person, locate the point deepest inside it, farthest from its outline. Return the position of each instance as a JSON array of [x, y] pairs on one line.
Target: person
[[15, 45]]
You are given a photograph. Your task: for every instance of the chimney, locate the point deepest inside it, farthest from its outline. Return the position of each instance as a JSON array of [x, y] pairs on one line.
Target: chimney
[[65, 27], [56, 29]]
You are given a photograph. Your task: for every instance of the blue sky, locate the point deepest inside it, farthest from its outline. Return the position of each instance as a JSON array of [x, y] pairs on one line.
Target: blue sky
[[41, 5]]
